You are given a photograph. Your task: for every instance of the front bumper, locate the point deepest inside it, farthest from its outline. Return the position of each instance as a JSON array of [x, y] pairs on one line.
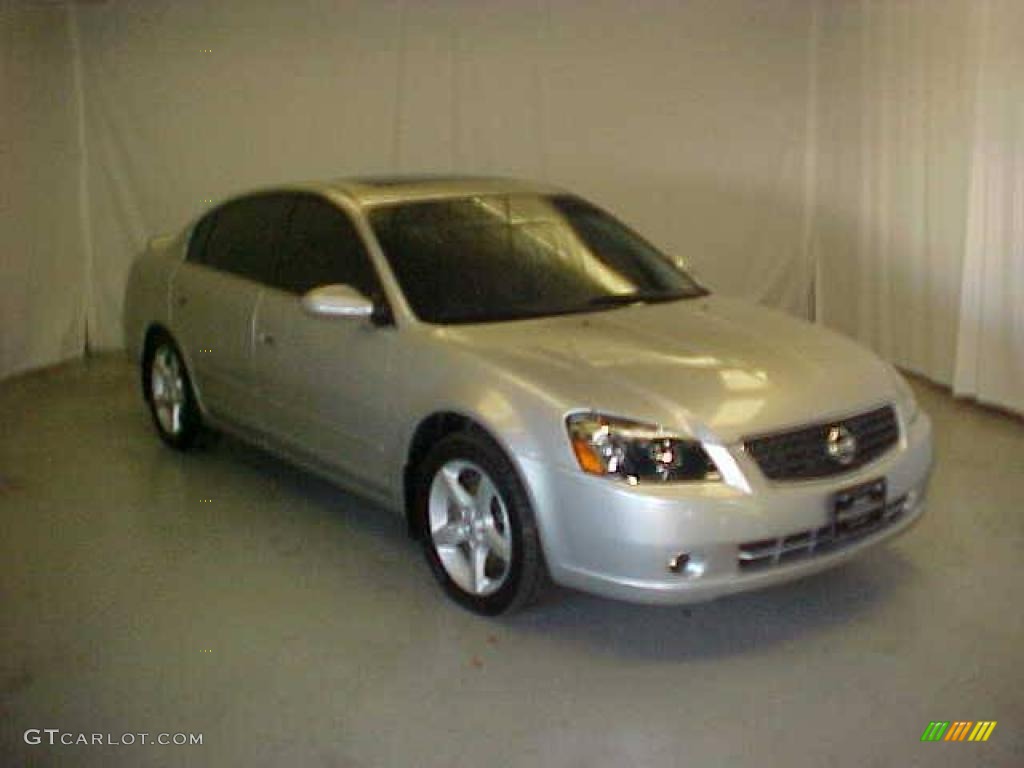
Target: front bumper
[[616, 540]]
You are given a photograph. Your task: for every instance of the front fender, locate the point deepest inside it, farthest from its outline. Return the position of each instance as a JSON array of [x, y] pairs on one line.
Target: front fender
[[525, 420]]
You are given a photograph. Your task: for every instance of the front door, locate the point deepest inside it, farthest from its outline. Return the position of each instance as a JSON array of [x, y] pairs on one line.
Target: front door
[[325, 382]]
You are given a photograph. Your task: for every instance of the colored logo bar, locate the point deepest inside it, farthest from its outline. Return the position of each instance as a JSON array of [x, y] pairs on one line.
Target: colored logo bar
[[958, 730]]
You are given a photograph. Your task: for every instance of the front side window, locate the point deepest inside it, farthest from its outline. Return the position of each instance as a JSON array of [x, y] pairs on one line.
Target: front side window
[[323, 248], [244, 238], [505, 257]]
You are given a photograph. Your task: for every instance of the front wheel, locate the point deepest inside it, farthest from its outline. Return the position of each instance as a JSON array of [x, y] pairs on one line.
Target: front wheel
[[479, 533]]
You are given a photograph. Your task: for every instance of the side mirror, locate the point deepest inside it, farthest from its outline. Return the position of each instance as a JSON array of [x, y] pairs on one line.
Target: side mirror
[[337, 301]]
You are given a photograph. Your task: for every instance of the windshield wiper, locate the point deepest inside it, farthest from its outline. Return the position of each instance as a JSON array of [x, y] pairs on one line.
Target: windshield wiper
[[641, 297]]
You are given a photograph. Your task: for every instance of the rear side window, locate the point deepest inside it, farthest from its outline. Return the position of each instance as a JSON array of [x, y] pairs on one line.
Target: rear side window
[[245, 238], [322, 247], [200, 237]]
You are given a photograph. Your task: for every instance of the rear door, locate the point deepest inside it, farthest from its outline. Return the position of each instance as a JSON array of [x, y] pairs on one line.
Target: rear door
[[325, 382], [232, 256]]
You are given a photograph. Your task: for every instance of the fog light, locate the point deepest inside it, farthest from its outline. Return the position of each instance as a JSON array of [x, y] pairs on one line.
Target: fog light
[[678, 563], [690, 565]]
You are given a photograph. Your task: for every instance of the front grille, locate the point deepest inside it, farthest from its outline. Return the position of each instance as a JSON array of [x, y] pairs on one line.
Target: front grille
[[767, 553], [802, 454]]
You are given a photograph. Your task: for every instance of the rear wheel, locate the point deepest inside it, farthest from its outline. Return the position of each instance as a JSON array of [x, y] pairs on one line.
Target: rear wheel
[[479, 533], [172, 402]]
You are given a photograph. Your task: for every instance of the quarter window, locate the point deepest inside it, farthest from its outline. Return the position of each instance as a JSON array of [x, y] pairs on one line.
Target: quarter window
[[200, 236]]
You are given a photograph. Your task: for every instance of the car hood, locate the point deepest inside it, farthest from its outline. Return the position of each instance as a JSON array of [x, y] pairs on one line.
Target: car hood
[[718, 368]]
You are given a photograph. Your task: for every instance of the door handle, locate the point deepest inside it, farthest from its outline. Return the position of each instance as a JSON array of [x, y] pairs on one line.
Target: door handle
[[265, 338]]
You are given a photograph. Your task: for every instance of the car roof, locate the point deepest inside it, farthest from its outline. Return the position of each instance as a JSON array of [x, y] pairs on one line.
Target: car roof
[[369, 191], [378, 190]]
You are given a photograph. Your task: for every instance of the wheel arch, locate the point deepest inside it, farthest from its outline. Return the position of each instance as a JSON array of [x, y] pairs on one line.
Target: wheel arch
[[429, 431]]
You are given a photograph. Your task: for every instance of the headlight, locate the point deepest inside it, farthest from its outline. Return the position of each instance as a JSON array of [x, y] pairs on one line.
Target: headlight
[[636, 452], [905, 398]]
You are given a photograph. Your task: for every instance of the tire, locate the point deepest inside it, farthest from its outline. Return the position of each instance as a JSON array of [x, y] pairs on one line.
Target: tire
[[460, 517], [170, 396]]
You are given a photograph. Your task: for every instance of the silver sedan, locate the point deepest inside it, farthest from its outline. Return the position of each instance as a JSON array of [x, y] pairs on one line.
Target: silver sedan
[[539, 391]]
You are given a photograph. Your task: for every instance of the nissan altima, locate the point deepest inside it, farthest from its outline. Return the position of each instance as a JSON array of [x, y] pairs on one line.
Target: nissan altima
[[539, 392]]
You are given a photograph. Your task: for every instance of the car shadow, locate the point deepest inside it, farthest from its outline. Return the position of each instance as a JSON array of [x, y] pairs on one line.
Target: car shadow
[[732, 625]]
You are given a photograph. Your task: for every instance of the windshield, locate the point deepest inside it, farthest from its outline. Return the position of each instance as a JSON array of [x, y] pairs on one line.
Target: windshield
[[506, 257]]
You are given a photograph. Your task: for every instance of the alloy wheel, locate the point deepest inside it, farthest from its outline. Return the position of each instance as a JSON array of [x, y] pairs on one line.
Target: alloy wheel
[[469, 527], [167, 388]]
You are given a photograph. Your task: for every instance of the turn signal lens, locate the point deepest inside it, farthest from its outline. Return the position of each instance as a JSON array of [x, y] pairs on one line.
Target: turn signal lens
[[587, 457]]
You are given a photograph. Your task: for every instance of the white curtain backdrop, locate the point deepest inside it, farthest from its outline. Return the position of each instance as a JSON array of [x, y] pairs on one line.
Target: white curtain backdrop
[[857, 160], [990, 348], [689, 120], [893, 136], [917, 234], [43, 271]]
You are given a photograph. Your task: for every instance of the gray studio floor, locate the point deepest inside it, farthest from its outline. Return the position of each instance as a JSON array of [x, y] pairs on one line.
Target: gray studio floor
[[291, 624]]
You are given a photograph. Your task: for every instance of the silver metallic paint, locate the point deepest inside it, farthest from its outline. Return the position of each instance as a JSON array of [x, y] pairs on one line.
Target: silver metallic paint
[[344, 397]]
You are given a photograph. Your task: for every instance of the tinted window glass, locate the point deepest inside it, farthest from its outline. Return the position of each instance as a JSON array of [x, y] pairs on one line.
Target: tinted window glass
[[200, 236], [244, 239], [501, 257], [324, 248]]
